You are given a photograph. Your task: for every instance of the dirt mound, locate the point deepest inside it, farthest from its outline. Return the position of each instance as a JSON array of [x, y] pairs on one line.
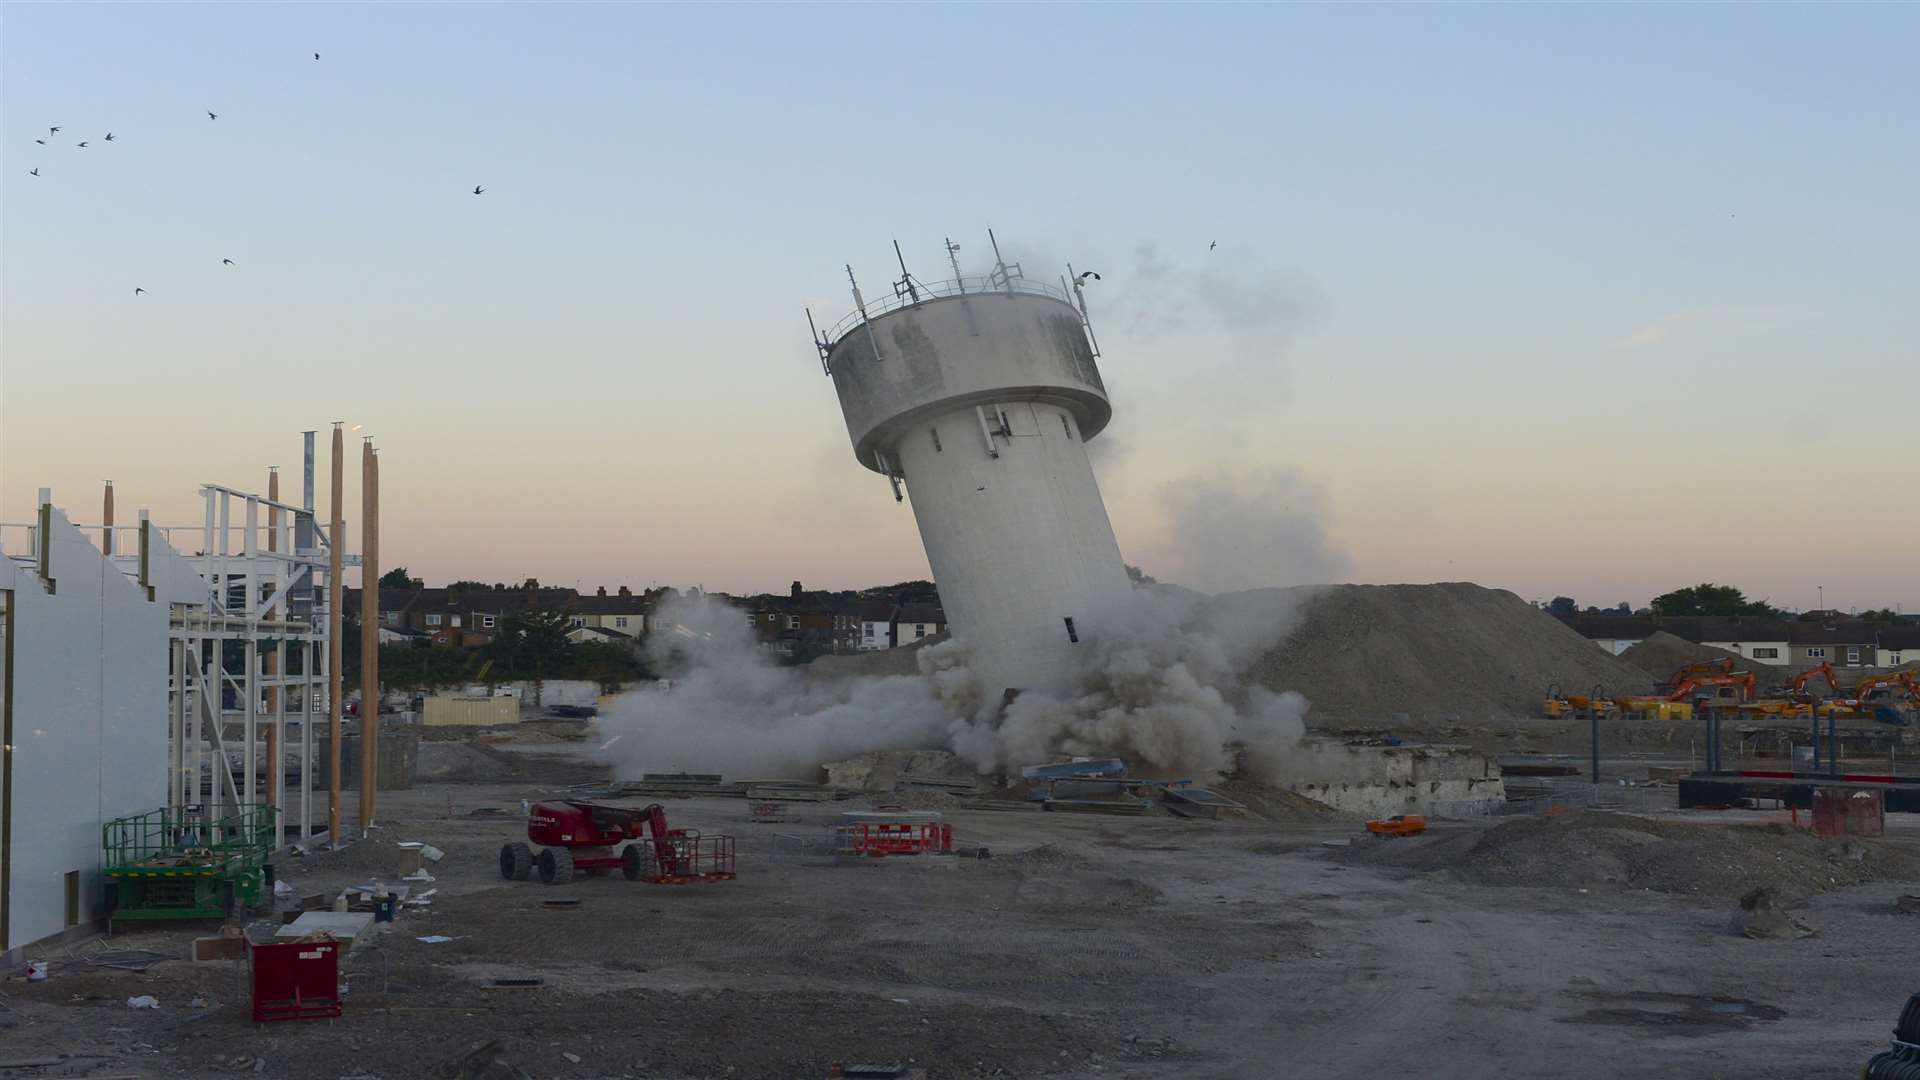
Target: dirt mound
[[1663, 654], [1595, 850], [1443, 652], [1045, 857], [461, 761]]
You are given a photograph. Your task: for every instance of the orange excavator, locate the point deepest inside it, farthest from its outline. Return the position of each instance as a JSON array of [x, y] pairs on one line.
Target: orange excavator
[[1879, 696], [1721, 666], [1796, 687], [1791, 699], [1725, 690]]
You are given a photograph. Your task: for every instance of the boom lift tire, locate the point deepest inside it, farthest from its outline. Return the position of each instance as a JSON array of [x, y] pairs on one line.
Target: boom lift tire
[[516, 862]]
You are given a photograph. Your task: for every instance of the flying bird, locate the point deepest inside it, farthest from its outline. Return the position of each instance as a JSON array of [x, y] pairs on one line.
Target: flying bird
[[477, 189], [109, 136], [226, 262], [1083, 277], [42, 142], [316, 56], [1213, 245], [35, 172], [82, 145], [138, 291], [53, 131], [211, 115]]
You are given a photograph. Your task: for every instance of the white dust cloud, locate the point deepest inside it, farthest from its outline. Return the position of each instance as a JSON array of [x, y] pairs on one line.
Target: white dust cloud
[[1246, 530], [731, 710], [1164, 687], [1167, 690]]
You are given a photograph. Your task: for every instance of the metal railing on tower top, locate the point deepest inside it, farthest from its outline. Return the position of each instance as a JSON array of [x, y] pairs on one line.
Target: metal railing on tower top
[[962, 286]]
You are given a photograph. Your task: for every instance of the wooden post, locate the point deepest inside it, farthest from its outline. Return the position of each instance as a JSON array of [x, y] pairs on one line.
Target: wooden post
[[369, 633]]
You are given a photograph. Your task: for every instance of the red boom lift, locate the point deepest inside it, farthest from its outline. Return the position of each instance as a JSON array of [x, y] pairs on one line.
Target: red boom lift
[[588, 836]]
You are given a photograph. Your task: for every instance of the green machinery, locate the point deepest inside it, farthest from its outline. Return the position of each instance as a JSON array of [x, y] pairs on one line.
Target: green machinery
[[184, 863]]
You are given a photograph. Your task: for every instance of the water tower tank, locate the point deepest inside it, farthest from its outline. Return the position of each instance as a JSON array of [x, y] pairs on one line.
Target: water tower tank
[[979, 395]]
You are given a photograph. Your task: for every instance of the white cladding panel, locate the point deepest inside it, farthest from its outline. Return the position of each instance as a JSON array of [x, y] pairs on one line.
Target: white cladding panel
[[1018, 543], [90, 725]]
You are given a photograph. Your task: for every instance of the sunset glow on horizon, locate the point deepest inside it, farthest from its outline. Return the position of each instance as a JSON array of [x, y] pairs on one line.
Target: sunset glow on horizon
[[1600, 322]]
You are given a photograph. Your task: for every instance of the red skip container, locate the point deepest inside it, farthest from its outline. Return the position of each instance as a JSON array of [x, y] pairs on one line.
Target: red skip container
[[296, 981]]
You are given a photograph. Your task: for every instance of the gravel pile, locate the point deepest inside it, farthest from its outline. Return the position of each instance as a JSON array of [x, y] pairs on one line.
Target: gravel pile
[[1448, 652], [1044, 857], [1663, 654], [444, 761], [1595, 850]]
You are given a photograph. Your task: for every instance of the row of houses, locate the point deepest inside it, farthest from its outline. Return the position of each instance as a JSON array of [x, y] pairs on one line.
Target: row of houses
[[811, 624], [795, 624], [471, 615], [1785, 643]]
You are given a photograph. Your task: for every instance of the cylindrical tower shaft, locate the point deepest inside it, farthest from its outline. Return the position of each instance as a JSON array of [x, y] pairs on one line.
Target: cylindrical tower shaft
[[981, 402]]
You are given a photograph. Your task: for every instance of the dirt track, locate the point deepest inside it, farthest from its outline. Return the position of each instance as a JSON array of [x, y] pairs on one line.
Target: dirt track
[[1083, 948]]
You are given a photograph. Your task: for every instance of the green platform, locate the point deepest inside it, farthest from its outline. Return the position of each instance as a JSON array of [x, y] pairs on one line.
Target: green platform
[[184, 863]]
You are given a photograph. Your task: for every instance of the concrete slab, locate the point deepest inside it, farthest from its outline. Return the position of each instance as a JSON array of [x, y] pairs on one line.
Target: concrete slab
[[347, 927]]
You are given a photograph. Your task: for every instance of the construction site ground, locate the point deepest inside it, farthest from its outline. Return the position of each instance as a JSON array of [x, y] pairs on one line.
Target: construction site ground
[[1082, 947]]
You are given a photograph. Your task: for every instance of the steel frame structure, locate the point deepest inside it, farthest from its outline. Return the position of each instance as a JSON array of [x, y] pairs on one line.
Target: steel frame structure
[[266, 600]]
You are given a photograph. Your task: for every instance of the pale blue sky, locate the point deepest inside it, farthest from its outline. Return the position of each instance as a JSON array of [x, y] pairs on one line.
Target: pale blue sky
[[1598, 300]]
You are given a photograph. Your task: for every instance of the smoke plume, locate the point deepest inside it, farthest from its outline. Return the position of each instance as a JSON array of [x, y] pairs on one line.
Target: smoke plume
[[1250, 530], [1163, 685], [728, 708], [1236, 319]]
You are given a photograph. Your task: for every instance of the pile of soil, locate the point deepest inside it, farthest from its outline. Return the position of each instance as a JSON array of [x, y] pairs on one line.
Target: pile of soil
[[1663, 654], [444, 761], [1046, 857], [1447, 652], [1597, 850]]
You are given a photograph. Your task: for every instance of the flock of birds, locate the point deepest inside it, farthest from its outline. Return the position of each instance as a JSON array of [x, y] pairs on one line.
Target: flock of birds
[[54, 129]]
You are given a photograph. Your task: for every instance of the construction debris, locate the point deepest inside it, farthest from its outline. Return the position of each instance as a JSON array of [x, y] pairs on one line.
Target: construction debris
[[347, 927], [518, 983], [1760, 916], [484, 1061], [1198, 802]]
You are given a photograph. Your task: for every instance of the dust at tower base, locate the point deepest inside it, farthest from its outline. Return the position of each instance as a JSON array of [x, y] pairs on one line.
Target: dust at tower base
[[981, 402]]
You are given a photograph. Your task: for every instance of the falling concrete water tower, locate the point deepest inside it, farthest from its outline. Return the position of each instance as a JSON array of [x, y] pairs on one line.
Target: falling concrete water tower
[[979, 395]]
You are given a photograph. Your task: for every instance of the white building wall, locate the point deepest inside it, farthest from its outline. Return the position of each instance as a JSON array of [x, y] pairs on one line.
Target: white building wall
[[1774, 653], [1616, 646], [874, 636], [90, 725], [1891, 658]]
